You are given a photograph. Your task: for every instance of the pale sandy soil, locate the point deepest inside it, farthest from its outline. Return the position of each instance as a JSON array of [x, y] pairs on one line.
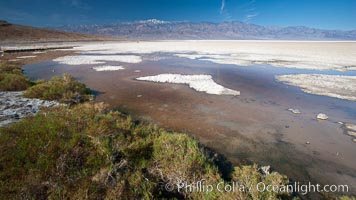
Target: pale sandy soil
[[343, 87]]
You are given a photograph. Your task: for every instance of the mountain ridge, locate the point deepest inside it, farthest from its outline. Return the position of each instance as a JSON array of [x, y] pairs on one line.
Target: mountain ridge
[[154, 29]]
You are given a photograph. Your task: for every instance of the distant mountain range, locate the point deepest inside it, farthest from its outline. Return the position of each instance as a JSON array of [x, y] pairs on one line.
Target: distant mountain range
[[163, 30]]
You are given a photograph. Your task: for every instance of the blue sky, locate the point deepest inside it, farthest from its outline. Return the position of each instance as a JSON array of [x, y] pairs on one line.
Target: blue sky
[[326, 14]]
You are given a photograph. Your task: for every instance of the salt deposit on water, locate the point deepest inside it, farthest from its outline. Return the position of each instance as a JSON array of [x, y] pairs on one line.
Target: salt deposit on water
[[306, 55], [200, 83], [343, 87], [108, 68], [322, 116], [95, 59], [294, 111]]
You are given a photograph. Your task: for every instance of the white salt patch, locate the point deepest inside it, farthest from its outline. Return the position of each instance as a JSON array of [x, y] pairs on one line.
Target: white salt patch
[[294, 111], [351, 130], [322, 116], [37, 46], [39, 52], [219, 59], [23, 57], [137, 71], [307, 55], [229, 61], [95, 59], [351, 127], [108, 68], [201, 83], [343, 87], [198, 56], [14, 60], [190, 56]]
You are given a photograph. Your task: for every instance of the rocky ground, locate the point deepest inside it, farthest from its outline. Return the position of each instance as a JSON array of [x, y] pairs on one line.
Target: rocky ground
[[13, 106]]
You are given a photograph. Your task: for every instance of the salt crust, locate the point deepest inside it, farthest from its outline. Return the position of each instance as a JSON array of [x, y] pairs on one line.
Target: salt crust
[[305, 55], [97, 59], [200, 83], [343, 87], [108, 68]]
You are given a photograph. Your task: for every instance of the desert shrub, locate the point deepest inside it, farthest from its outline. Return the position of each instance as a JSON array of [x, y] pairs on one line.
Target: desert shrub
[[50, 149], [65, 153], [12, 79], [177, 158], [9, 69], [87, 152], [64, 89], [251, 176], [13, 82]]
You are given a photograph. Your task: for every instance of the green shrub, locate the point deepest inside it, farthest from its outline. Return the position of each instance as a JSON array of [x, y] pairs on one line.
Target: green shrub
[[64, 89], [86, 152], [10, 69], [13, 82], [12, 78], [250, 176], [347, 198], [50, 154]]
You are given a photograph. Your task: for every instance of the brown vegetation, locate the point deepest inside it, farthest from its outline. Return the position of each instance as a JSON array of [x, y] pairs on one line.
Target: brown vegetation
[[13, 33]]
